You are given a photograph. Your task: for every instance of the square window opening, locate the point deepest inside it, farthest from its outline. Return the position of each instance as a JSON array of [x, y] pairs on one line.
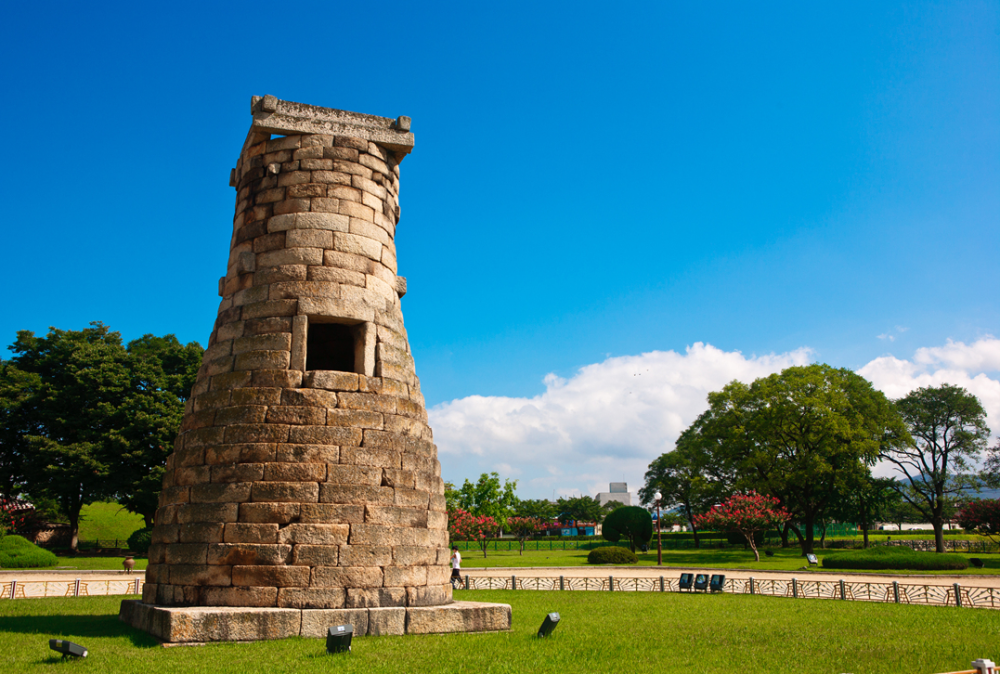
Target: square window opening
[[331, 346]]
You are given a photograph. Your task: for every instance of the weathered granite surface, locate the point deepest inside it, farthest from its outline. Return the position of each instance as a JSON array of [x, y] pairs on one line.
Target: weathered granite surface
[[305, 475], [202, 624]]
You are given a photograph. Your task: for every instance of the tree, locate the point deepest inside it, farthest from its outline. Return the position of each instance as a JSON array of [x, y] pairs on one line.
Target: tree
[[540, 509], [683, 478], [871, 500], [805, 436], [83, 418], [163, 371], [580, 509], [488, 497], [991, 467], [747, 514], [464, 526], [947, 429], [982, 517], [523, 528], [631, 523]]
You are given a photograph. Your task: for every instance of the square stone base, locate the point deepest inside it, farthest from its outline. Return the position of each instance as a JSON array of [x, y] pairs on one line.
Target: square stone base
[[199, 624]]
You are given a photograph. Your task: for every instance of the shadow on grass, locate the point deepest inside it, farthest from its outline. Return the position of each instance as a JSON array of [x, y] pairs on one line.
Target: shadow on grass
[[74, 627], [735, 556]]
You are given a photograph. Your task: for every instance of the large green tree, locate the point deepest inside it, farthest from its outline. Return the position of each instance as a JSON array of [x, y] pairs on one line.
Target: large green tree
[[164, 372], [488, 497], [540, 509], [947, 425], [580, 509], [685, 477], [805, 435], [83, 417]]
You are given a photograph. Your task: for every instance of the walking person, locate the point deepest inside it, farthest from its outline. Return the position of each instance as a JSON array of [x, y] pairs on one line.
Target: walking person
[[456, 568]]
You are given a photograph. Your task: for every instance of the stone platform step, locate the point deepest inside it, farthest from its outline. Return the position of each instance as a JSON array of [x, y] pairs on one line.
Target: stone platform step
[[195, 624]]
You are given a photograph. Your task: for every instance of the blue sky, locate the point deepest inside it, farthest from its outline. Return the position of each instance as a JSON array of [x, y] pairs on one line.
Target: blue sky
[[590, 187]]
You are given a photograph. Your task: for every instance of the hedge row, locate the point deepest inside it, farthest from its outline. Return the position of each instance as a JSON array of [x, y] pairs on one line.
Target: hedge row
[[20, 553], [885, 557]]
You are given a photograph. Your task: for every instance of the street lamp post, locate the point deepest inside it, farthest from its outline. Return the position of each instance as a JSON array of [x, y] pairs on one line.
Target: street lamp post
[[659, 541]]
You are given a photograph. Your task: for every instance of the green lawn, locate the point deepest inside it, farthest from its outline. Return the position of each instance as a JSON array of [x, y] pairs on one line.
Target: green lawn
[[98, 563], [107, 522], [599, 632], [787, 559]]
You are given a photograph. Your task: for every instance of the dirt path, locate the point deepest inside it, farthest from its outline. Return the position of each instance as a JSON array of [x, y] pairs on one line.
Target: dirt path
[[33, 575], [655, 572]]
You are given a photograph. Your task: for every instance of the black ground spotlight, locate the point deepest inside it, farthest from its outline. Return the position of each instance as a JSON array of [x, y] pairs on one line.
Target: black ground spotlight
[[67, 648], [339, 639], [549, 624]]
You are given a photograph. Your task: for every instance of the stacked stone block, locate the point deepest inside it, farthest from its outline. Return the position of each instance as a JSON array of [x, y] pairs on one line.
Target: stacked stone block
[[296, 487]]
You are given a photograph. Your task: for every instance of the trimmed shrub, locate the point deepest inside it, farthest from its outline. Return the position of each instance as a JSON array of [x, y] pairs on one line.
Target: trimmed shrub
[[632, 523], [612, 555], [140, 541], [895, 557], [17, 552]]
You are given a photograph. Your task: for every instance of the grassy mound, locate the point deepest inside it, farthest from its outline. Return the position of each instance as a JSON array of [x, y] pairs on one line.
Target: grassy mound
[[108, 522], [895, 557], [612, 555], [20, 553]]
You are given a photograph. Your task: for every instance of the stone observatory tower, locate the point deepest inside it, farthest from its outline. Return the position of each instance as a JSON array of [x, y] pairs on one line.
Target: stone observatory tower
[[304, 485]]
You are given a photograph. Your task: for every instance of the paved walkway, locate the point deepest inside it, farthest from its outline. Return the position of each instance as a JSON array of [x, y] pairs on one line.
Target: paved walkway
[[974, 580]]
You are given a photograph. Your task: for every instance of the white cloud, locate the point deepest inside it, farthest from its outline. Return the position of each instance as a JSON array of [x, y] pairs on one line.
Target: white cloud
[[609, 420], [955, 363], [604, 424], [886, 335]]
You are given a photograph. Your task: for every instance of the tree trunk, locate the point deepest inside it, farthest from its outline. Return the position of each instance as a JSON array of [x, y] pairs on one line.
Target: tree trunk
[[938, 522], [822, 538], [783, 532], [74, 532], [810, 539], [866, 537]]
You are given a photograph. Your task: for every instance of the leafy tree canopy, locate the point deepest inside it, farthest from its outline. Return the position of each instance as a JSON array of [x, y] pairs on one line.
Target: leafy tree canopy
[[632, 523], [947, 432], [685, 477], [82, 417], [488, 497], [804, 435]]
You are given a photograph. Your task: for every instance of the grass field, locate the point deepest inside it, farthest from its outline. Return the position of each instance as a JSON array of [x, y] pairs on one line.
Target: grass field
[[788, 559], [99, 563], [107, 522], [599, 632]]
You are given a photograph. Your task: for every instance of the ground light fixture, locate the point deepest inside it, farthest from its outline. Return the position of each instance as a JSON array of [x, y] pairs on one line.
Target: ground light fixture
[[549, 624], [338, 640], [67, 648]]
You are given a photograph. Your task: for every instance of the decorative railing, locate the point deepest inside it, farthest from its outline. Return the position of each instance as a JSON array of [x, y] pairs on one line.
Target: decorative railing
[[845, 590], [16, 589]]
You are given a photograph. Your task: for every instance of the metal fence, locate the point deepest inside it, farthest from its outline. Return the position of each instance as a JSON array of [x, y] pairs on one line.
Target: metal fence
[[28, 589], [952, 546], [845, 590]]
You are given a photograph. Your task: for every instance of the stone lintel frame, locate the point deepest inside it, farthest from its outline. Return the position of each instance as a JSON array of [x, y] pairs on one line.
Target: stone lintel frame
[[275, 116], [364, 334]]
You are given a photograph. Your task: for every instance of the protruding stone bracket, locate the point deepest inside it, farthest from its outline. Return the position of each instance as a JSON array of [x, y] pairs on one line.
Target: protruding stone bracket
[[273, 115]]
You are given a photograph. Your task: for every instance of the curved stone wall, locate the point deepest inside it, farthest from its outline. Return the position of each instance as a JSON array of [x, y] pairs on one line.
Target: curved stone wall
[[298, 487]]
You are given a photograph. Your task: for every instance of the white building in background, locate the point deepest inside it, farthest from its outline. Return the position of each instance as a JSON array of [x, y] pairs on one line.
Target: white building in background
[[617, 491]]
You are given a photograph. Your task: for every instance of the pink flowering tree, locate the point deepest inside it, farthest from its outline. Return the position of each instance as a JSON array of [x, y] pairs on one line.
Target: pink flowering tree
[[464, 526], [747, 514], [523, 528], [983, 517]]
